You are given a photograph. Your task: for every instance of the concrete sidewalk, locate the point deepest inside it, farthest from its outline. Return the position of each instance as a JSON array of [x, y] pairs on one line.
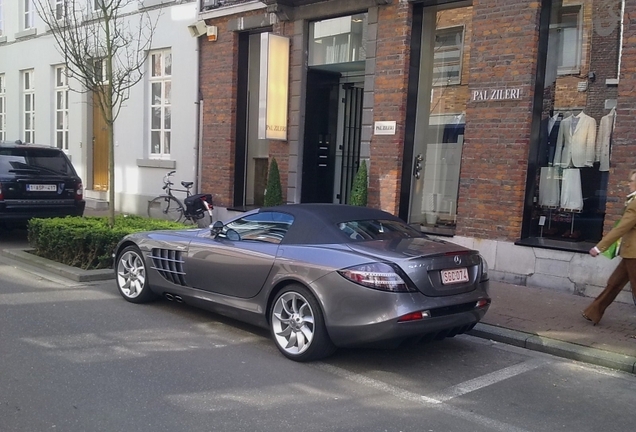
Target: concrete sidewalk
[[550, 321]]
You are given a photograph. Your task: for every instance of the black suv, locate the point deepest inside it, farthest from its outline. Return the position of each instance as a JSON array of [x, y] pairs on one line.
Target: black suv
[[37, 181]]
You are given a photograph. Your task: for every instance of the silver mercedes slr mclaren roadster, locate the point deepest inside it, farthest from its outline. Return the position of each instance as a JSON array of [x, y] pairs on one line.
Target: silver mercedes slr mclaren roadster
[[319, 276]]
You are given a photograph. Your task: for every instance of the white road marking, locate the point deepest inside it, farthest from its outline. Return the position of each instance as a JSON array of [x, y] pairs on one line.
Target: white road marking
[[436, 403], [488, 379]]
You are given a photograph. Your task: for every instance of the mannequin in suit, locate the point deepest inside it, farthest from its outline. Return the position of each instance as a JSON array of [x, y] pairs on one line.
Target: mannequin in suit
[[549, 134], [549, 189], [575, 149], [626, 269], [604, 138]]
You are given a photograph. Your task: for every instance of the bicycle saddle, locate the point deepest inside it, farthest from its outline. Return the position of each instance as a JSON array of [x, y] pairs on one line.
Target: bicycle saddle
[[187, 184]]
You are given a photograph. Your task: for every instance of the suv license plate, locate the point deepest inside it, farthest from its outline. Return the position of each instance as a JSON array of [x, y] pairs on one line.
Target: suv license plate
[[454, 276], [41, 188]]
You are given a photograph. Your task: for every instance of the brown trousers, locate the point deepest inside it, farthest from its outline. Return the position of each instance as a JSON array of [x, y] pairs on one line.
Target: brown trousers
[[624, 272]]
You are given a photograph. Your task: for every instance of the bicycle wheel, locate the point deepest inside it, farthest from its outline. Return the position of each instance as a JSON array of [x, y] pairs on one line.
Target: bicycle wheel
[[165, 207]]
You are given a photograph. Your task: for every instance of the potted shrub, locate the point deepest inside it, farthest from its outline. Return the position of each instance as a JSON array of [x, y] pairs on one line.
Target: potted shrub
[[359, 189], [273, 192]]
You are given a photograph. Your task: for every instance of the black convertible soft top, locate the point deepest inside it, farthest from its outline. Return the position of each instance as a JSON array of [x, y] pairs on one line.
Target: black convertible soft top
[[318, 223]]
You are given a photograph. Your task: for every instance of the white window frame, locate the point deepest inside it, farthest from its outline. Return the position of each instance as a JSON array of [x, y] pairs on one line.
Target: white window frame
[[29, 14], [558, 29], [60, 9], [28, 106], [160, 77], [3, 108], [60, 119], [1, 17], [438, 52]]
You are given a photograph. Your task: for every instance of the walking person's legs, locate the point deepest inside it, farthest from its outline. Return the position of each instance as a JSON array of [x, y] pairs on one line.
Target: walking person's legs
[[616, 282]]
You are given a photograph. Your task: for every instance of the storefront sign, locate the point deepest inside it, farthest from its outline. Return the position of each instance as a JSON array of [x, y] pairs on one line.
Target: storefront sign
[[384, 128], [496, 94], [274, 87]]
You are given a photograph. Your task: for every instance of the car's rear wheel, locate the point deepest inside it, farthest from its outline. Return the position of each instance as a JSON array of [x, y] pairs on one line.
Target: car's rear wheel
[[131, 276], [298, 326]]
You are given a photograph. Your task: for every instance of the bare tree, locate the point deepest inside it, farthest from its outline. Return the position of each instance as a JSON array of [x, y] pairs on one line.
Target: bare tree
[[105, 45]]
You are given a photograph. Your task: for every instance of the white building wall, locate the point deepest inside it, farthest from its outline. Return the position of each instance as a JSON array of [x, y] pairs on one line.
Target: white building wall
[[137, 177]]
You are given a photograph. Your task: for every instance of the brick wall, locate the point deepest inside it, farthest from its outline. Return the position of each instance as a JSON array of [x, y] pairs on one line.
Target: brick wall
[[495, 155], [217, 74], [391, 79]]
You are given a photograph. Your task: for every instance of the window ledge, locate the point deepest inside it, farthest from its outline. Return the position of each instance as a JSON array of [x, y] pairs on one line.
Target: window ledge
[[157, 163], [26, 33], [611, 82], [3, 39]]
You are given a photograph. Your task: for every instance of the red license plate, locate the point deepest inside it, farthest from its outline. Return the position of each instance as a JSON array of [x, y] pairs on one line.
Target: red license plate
[[454, 276]]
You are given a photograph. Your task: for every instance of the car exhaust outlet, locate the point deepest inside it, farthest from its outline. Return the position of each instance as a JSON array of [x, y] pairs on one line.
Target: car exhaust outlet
[[169, 296], [178, 299]]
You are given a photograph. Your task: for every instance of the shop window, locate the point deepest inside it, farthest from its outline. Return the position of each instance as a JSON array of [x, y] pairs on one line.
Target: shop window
[[447, 60], [568, 189], [443, 47]]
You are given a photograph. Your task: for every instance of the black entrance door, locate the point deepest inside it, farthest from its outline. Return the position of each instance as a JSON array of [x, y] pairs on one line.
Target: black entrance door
[[321, 124]]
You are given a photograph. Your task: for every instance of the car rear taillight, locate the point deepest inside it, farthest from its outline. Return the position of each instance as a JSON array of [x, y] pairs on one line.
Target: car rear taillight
[[381, 276], [79, 191]]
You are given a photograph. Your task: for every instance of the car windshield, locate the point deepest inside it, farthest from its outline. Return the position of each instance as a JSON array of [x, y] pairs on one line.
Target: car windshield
[[360, 230], [44, 161]]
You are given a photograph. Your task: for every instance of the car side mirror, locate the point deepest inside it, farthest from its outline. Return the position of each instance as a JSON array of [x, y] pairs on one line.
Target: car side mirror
[[217, 227]]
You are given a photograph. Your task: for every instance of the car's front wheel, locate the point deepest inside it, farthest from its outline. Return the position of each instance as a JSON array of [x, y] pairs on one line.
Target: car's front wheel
[[131, 276], [298, 326]]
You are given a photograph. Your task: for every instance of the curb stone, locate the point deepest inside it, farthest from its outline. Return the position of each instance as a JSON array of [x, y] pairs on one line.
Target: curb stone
[[555, 347], [69, 272]]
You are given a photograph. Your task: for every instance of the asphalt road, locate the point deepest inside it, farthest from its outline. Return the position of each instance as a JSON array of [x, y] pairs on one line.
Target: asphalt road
[[77, 357]]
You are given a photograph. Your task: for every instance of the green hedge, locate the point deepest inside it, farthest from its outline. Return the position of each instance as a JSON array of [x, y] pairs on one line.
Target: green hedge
[[87, 242]]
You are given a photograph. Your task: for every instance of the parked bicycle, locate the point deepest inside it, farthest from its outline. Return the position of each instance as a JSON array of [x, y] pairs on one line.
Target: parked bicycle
[[195, 208]]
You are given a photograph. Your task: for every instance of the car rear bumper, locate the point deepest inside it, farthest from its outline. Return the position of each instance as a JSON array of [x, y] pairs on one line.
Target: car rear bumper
[[367, 317], [19, 213]]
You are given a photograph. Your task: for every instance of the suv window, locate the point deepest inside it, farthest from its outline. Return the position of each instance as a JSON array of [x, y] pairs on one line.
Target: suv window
[[51, 161]]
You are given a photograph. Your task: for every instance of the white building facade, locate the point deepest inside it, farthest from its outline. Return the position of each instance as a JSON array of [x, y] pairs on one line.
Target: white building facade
[[156, 130]]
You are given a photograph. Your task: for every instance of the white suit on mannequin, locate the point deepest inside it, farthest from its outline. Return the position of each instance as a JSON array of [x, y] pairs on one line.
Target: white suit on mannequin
[[603, 141], [576, 147]]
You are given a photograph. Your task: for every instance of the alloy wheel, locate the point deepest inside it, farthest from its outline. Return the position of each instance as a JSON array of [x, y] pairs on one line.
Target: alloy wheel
[[293, 323], [131, 274]]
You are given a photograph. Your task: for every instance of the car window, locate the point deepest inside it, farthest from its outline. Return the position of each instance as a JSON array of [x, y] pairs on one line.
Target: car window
[[44, 161], [269, 227], [360, 230]]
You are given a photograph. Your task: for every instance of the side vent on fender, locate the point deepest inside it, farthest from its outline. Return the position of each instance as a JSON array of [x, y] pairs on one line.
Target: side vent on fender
[[169, 264]]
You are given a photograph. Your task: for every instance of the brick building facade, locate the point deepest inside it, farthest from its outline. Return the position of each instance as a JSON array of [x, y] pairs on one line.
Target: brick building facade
[[426, 65]]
